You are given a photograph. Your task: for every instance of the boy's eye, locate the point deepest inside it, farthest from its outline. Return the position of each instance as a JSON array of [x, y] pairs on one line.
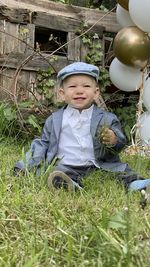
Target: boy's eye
[[86, 85], [72, 86]]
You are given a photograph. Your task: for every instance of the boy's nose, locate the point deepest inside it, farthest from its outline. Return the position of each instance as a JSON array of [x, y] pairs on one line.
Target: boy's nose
[[79, 90]]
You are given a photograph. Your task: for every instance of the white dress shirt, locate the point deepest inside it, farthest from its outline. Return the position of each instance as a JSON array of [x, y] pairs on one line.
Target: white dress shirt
[[76, 144]]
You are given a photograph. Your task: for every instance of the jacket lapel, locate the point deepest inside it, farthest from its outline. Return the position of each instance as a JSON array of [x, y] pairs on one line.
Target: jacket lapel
[[57, 121], [97, 116]]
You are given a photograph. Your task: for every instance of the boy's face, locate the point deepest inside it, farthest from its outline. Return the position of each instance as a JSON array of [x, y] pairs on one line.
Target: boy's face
[[79, 91]]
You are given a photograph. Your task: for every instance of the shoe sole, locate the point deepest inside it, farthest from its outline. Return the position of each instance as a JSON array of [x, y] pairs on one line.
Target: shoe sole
[[148, 193], [65, 177], [145, 198]]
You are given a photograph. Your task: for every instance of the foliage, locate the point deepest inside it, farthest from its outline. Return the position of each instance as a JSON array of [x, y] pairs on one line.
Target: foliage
[[125, 108], [11, 124], [45, 84], [109, 4], [101, 226], [95, 56], [104, 79], [95, 52], [127, 116], [8, 118], [100, 4]]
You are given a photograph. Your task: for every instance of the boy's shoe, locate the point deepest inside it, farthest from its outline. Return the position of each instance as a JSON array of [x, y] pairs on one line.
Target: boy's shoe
[[18, 172], [145, 197], [59, 179]]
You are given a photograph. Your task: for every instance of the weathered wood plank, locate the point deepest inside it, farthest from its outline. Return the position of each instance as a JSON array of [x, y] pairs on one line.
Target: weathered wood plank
[[63, 23], [15, 15], [43, 5], [11, 43], [6, 78], [47, 20], [83, 52], [108, 21], [23, 85], [41, 19], [16, 37], [26, 38], [2, 36], [7, 85], [71, 46], [38, 62], [77, 49], [75, 16]]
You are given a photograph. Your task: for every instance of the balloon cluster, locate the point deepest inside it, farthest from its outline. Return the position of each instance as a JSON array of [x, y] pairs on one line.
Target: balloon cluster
[[132, 54]]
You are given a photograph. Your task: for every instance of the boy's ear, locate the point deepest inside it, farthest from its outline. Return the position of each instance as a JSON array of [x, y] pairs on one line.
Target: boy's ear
[[97, 92], [61, 93]]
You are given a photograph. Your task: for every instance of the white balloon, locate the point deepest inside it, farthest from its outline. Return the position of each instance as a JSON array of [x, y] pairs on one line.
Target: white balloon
[[146, 94], [140, 13], [144, 127], [123, 17], [124, 77]]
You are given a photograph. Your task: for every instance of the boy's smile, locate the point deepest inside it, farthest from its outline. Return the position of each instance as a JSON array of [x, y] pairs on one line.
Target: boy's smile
[[79, 91]]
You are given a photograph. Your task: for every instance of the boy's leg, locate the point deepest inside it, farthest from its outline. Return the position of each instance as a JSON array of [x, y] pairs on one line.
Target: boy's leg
[[64, 176], [129, 177], [73, 174], [69, 174], [139, 184], [76, 173], [133, 181], [144, 187]]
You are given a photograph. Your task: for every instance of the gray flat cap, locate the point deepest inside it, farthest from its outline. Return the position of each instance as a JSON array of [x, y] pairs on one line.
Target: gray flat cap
[[78, 68]]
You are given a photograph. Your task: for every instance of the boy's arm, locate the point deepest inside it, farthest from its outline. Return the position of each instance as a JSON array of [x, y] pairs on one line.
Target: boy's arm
[[37, 151], [112, 135]]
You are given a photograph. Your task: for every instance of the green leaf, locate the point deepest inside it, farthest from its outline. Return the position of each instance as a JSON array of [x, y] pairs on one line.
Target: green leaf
[[50, 83], [10, 114], [117, 221], [33, 121], [25, 104]]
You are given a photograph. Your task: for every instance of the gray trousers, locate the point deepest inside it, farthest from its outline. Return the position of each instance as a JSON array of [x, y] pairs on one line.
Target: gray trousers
[[77, 173]]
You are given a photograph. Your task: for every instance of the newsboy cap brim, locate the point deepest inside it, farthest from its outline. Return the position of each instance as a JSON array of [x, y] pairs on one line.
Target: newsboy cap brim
[[78, 68]]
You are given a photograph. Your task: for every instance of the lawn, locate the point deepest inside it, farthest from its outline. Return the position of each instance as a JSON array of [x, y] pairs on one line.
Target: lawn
[[100, 226]]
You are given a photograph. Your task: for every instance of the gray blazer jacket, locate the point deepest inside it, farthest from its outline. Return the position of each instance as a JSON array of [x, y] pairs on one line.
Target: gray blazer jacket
[[45, 148]]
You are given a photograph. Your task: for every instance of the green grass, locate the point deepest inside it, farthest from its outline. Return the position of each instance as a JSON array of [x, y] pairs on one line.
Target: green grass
[[101, 226]]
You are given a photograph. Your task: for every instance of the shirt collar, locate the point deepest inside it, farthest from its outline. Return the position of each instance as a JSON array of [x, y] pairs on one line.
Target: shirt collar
[[70, 111]]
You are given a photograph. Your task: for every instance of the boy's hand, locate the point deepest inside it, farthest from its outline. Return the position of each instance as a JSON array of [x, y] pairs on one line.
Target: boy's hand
[[108, 137]]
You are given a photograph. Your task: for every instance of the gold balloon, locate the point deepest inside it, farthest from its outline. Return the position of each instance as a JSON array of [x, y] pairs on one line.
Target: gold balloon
[[123, 3], [132, 47]]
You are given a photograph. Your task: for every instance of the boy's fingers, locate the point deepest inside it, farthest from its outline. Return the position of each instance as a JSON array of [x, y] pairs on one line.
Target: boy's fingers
[[107, 134], [108, 137]]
